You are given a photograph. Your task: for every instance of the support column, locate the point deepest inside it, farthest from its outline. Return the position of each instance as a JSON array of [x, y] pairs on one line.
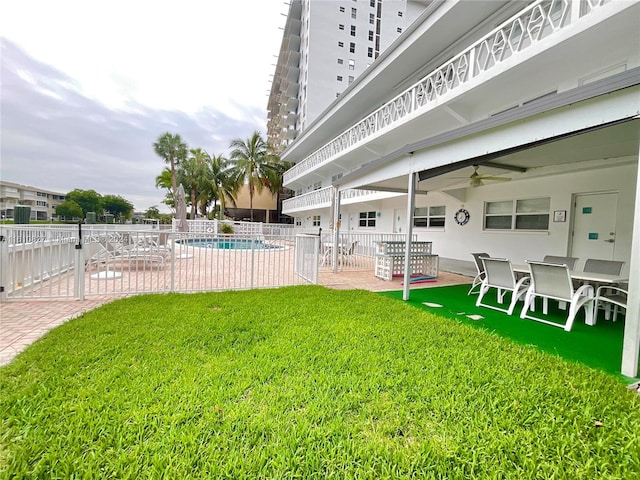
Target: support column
[[411, 201], [631, 342], [336, 229]]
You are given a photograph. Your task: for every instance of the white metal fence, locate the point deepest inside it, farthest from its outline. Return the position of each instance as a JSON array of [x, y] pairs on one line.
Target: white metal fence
[[47, 261]]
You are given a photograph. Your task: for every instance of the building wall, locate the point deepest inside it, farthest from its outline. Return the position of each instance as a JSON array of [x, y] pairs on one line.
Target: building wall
[[457, 242], [43, 203]]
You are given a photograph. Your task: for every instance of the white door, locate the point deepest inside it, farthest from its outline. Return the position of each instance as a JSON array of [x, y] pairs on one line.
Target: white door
[[400, 220], [594, 226]]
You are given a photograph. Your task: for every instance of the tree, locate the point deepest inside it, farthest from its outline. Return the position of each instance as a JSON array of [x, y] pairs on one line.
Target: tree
[[173, 150], [89, 200], [117, 205], [152, 212], [219, 184], [191, 174], [253, 164], [164, 181], [69, 209]]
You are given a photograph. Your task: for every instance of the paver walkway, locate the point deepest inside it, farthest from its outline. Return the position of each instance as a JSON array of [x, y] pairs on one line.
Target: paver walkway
[[22, 322]]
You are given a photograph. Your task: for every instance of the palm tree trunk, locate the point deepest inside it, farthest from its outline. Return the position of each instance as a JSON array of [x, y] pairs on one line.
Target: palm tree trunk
[[193, 203]]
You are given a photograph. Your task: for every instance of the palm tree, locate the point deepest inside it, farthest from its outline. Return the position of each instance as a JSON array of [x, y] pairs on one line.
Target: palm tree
[[164, 181], [173, 150], [219, 183], [191, 173], [254, 163]]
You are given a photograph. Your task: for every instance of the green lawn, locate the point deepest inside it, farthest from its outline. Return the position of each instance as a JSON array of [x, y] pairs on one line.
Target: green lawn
[[304, 382]]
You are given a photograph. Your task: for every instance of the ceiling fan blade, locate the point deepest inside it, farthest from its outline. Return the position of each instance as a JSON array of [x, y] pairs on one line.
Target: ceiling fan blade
[[497, 179]]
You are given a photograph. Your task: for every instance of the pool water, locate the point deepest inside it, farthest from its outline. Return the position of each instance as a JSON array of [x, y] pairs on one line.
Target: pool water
[[229, 244]]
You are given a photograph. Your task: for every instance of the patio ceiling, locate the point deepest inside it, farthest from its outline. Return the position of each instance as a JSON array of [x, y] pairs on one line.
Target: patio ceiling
[[599, 148]]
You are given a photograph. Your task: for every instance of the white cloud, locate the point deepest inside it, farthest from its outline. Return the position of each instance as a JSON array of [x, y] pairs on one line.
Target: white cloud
[[163, 54]]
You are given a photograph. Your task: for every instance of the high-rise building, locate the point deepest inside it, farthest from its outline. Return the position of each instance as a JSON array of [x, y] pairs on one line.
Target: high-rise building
[[326, 45]]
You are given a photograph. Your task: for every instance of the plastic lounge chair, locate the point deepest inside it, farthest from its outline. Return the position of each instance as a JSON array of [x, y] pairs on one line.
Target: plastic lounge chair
[[348, 255], [499, 275], [553, 281], [568, 261], [477, 281], [112, 250], [610, 298]]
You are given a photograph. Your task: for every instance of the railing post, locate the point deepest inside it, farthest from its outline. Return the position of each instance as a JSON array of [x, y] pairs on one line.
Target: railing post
[[4, 264], [78, 271]]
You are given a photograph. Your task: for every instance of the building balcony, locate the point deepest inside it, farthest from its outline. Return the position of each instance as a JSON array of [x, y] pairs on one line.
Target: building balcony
[[481, 79], [319, 199]]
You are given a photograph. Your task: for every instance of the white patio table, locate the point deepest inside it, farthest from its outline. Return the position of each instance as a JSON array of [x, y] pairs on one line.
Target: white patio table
[[596, 279]]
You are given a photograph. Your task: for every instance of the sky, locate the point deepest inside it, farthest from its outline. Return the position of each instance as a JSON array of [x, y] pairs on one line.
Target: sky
[[87, 87]]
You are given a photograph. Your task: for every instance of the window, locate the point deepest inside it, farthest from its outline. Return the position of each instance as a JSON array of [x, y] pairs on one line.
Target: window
[[298, 221], [352, 64], [341, 44], [372, 3], [352, 47], [336, 177], [341, 27], [372, 18], [351, 78], [370, 52], [353, 30], [354, 13], [340, 61], [371, 35], [339, 78], [317, 185], [342, 9], [399, 14], [399, 30], [316, 220], [367, 219], [429, 217], [526, 214]]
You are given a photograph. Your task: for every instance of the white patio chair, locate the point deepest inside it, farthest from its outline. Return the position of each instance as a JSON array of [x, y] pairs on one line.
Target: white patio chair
[[568, 261], [553, 281], [610, 299], [347, 255], [609, 267], [477, 281], [499, 275]]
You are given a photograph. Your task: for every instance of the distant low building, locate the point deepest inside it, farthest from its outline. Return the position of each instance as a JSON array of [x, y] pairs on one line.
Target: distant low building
[[267, 207], [43, 202]]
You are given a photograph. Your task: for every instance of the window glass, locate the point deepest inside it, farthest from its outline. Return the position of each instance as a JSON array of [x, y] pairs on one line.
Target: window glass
[[533, 205], [499, 207], [367, 219], [502, 222], [532, 222]]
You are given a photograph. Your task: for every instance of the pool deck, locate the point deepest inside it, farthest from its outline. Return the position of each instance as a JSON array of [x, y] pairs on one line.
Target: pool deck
[[22, 322]]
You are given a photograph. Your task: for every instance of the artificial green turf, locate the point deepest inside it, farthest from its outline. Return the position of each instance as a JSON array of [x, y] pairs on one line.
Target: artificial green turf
[[303, 382], [598, 346]]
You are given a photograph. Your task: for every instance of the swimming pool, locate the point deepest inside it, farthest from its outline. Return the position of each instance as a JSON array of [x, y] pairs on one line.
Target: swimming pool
[[229, 244]]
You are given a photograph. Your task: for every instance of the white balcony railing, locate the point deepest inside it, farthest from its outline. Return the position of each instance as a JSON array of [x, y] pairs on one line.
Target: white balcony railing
[[316, 199], [533, 24], [322, 199]]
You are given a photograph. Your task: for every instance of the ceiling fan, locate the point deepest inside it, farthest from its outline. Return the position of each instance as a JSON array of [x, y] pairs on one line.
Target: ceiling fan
[[476, 179]]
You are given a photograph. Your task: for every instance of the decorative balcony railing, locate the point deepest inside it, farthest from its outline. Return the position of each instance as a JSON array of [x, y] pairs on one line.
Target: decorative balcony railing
[[316, 199], [533, 24], [322, 198]]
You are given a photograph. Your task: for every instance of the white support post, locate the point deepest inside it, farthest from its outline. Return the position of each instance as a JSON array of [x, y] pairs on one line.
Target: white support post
[[631, 342], [336, 229], [4, 264], [411, 201]]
